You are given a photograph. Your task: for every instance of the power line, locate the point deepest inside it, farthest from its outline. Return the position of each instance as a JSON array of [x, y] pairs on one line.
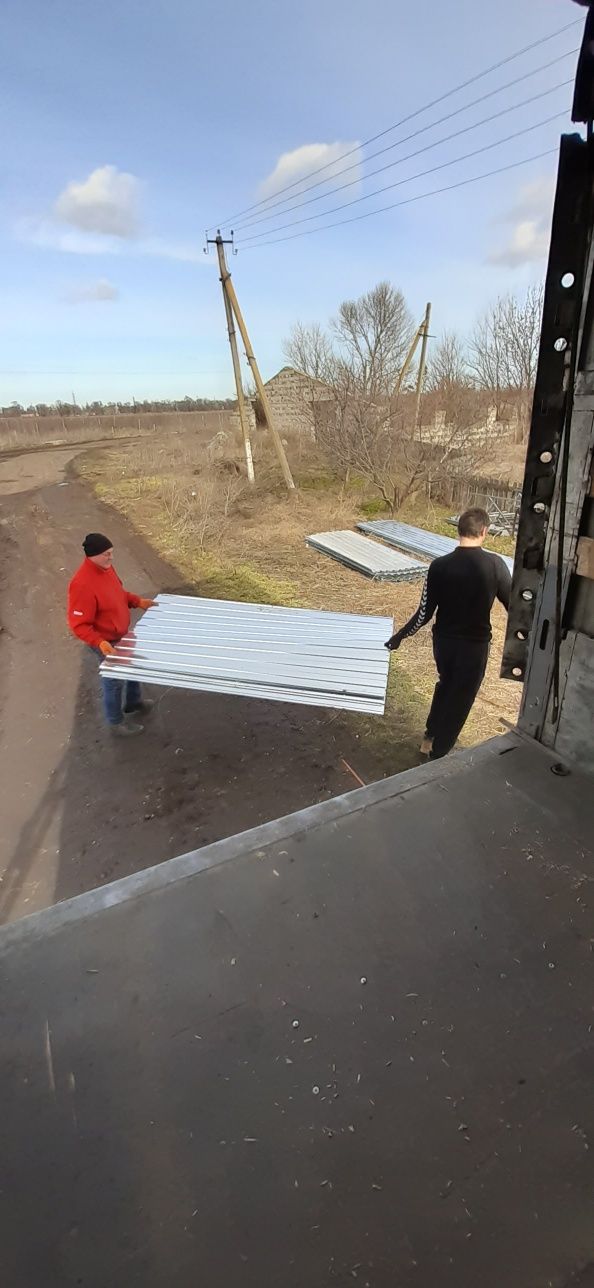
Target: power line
[[472, 80], [421, 175], [308, 232], [254, 219], [24, 371], [475, 125]]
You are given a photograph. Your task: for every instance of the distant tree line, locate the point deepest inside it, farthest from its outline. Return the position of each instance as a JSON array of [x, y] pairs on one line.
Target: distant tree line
[[137, 406]]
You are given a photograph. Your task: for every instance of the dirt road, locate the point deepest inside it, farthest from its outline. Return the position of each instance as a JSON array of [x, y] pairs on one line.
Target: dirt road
[[79, 808]]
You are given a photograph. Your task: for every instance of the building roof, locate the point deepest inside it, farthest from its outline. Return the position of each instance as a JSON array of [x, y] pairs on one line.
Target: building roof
[[301, 375]]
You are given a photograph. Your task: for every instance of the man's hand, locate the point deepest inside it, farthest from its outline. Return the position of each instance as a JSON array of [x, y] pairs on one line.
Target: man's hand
[[106, 648], [147, 603], [393, 643]]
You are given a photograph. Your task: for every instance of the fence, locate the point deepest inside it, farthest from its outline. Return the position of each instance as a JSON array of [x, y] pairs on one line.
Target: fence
[[501, 500], [29, 430], [463, 492]]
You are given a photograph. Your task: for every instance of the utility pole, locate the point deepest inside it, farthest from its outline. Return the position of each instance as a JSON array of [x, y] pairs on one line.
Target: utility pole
[[409, 357], [231, 297], [424, 332], [245, 429]]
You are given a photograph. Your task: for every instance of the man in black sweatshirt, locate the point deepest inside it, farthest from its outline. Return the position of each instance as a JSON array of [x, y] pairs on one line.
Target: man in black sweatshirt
[[462, 586]]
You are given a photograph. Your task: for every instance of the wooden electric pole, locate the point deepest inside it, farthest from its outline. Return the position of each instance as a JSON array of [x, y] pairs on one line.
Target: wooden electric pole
[[243, 418], [231, 298], [424, 332]]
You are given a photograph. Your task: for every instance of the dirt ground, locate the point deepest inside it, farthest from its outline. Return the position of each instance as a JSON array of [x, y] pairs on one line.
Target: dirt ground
[[260, 553], [80, 809]]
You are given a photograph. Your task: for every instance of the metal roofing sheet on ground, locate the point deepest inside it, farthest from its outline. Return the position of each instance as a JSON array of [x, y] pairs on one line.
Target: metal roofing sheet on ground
[[258, 650], [430, 544], [366, 556]]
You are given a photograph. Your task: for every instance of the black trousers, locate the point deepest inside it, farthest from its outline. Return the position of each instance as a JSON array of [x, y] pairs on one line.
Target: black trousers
[[461, 666]]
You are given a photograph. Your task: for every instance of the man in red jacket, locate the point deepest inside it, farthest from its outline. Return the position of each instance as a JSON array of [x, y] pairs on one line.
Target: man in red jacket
[[99, 615]]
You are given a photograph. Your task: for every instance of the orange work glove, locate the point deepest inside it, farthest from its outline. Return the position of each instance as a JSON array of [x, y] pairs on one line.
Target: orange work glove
[[147, 603], [106, 648]]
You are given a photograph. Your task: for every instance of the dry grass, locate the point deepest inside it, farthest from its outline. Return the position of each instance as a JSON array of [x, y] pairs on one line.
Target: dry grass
[[30, 431], [236, 543], [507, 466], [31, 434]]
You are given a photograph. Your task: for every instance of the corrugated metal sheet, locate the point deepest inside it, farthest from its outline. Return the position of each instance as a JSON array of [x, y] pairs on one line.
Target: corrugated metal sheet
[[367, 556], [429, 544], [257, 650]]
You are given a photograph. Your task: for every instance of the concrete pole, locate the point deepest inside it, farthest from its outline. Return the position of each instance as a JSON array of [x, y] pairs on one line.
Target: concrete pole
[[407, 361], [249, 353], [422, 363], [236, 367]]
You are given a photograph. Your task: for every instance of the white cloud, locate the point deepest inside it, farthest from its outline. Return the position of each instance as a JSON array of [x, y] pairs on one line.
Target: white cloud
[[48, 235], [101, 291], [164, 249], [103, 217], [105, 203], [534, 199], [299, 163], [529, 219], [527, 242]]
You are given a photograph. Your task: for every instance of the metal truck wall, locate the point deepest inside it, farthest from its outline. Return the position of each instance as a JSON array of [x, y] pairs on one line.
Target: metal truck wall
[[529, 653]]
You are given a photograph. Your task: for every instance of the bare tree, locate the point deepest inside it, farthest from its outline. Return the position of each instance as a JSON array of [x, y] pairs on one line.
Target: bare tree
[[454, 409], [448, 366], [372, 335], [309, 350], [381, 442], [368, 338], [523, 320], [504, 352], [358, 361], [365, 427]]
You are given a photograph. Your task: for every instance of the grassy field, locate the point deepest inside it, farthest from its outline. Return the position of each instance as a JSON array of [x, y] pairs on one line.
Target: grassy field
[[237, 544], [29, 432]]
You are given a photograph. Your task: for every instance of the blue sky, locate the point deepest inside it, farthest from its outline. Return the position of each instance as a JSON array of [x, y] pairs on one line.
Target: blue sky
[[131, 125]]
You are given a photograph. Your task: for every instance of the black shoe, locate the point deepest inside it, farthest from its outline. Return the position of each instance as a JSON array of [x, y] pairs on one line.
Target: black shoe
[[144, 706], [127, 729]]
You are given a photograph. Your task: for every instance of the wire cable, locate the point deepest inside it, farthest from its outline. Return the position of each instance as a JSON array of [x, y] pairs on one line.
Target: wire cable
[[472, 80], [447, 138], [368, 214], [422, 174], [356, 165]]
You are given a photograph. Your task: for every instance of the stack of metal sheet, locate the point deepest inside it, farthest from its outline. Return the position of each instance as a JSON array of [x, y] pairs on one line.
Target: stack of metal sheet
[[260, 651], [367, 556], [429, 544]]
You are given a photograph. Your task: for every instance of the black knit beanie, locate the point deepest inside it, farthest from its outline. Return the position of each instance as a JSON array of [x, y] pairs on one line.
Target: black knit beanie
[[96, 544]]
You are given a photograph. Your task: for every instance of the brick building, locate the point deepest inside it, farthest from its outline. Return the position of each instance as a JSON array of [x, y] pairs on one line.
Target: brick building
[[291, 395]]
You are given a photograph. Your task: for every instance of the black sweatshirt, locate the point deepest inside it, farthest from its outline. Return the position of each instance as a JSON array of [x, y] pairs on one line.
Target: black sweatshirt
[[462, 587]]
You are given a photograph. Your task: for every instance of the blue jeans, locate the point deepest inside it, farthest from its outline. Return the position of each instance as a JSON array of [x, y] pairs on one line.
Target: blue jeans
[[118, 696]]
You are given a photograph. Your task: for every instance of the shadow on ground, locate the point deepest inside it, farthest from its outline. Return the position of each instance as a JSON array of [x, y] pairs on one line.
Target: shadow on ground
[[84, 808], [207, 766]]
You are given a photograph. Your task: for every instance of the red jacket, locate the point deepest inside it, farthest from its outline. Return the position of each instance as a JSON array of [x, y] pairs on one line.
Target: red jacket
[[98, 605]]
